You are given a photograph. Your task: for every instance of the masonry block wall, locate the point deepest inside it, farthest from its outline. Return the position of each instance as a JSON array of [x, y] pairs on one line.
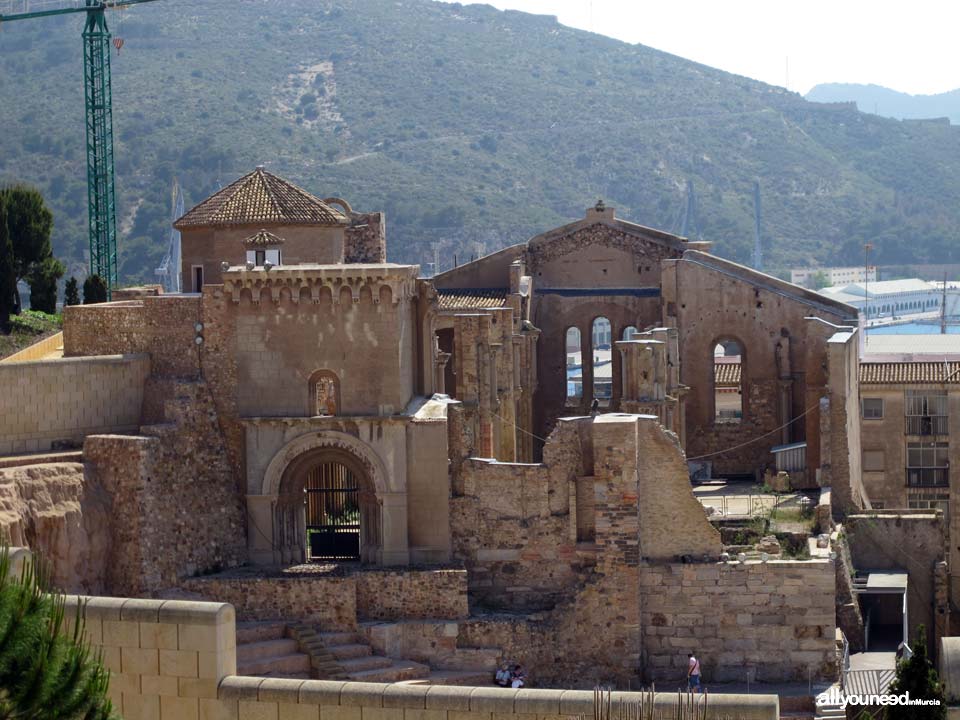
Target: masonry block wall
[[166, 657], [843, 441], [772, 622], [58, 402]]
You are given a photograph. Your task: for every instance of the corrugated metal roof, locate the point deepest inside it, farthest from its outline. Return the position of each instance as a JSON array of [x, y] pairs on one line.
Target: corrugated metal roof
[[261, 197], [466, 299], [905, 373], [726, 374]]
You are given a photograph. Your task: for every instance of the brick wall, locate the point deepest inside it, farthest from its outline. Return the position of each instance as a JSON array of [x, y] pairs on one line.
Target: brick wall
[[772, 621], [61, 401]]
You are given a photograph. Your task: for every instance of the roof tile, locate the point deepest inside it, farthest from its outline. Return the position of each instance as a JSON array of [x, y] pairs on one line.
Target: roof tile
[[905, 373], [261, 197], [466, 299]]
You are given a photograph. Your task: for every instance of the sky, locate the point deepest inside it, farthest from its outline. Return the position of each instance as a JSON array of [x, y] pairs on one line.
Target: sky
[[906, 45]]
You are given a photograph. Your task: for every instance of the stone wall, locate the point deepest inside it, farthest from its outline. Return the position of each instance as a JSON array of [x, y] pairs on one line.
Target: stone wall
[[411, 594], [176, 660], [842, 454], [330, 603], [348, 597], [365, 239], [771, 622], [173, 495], [163, 326], [56, 403]]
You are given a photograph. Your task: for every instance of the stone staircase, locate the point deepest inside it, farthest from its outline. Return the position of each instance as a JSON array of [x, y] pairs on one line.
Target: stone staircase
[[296, 650], [265, 650]]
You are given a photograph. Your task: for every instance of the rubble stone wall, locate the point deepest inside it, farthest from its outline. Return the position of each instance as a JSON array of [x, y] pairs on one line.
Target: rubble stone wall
[[365, 239], [772, 621], [338, 601], [58, 402], [411, 594]]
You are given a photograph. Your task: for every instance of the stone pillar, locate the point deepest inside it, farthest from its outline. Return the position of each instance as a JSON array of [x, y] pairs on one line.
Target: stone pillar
[[439, 372], [395, 549]]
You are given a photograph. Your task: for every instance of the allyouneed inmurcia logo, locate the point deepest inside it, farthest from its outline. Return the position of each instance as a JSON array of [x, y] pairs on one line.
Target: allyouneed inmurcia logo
[[833, 696]]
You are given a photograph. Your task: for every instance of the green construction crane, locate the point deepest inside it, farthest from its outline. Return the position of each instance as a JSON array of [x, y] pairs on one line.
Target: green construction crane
[[101, 197]]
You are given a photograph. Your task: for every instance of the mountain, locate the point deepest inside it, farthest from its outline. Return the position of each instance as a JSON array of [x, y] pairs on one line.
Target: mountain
[[890, 103], [471, 127]]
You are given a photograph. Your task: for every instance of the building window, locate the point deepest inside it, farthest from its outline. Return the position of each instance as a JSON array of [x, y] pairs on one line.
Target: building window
[[324, 393], [874, 460], [929, 501], [602, 355], [926, 412], [630, 332], [927, 464], [872, 408], [262, 257], [197, 278], [574, 366], [727, 382]]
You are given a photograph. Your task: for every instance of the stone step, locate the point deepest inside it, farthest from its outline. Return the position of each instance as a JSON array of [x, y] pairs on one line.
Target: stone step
[[337, 638], [257, 630], [346, 652], [398, 671], [276, 666], [266, 648], [360, 664]]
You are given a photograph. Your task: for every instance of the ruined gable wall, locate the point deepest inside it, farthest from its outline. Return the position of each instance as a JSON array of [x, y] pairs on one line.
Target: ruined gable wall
[[772, 621], [588, 259], [844, 474], [708, 304]]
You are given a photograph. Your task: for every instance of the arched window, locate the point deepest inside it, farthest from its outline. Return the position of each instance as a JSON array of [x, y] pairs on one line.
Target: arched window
[[727, 382], [324, 393], [602, 355], [574, 366], [630, 332]]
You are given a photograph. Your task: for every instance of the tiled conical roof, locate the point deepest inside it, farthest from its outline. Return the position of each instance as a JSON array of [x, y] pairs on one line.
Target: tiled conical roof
[[261, 198]]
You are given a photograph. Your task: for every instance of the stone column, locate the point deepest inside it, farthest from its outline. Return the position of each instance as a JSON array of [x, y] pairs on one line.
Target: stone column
[[439, 372]]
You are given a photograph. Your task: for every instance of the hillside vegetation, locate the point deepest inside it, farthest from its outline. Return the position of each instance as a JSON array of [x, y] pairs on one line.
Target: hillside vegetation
[[469, 126]]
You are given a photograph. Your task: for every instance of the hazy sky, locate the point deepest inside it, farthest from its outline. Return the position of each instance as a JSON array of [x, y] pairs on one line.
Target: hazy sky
[[907, 45]]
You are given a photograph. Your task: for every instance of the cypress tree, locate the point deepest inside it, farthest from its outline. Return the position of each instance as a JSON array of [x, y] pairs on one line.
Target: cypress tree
[[94, 290], [71, 292], [918, 677], [8, 278]]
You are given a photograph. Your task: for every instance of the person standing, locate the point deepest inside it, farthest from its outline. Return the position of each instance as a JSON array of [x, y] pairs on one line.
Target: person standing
[[693, 673]]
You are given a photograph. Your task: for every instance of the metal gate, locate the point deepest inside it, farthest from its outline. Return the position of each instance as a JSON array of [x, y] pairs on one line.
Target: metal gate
[[333, 513]]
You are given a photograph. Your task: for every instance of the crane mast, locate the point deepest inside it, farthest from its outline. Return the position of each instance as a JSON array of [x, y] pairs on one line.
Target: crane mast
[[98, 95]]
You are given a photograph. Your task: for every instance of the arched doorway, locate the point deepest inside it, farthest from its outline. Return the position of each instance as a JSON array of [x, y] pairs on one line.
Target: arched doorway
[[327, 509]]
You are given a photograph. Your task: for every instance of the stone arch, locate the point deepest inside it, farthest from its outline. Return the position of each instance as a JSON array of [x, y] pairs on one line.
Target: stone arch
[[285, 480]]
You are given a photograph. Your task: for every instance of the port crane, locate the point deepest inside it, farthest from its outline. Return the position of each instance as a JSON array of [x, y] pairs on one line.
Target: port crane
[[101, 197]]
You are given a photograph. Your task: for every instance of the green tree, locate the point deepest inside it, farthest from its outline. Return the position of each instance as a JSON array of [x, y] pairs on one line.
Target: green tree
[[918, 677], [94, 290], [8, 280], [30, 224], [43, 284], [45, 672], [71, 292]]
